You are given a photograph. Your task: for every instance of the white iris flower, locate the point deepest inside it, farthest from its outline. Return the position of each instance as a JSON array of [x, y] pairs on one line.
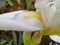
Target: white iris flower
[[50, 10], [23, 21]]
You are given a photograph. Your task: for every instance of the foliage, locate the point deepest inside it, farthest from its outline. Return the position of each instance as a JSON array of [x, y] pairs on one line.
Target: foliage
[[10, 2], [29, 3]]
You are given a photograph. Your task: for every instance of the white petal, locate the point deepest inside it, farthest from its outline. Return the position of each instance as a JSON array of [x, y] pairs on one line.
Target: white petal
[[12, 15], [18, 23], [55, 38], [7, 25], [54, 21], [46, 8], [41, 6]]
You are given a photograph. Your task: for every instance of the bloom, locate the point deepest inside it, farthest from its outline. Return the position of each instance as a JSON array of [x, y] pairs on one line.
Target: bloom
[[50, 13]]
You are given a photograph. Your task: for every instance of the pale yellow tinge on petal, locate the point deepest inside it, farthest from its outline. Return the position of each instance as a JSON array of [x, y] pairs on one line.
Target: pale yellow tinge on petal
[[37, 37], [26, 37], [32, 14]]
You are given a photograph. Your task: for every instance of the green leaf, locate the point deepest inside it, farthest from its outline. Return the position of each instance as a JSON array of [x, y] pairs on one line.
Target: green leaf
[[28, 3], [2, 41], [20, 38], [14, 37], [10, 2], [19, 2]]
